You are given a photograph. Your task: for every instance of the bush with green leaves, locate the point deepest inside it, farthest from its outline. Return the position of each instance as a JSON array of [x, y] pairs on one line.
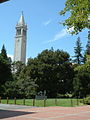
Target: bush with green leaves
[[87, 101]]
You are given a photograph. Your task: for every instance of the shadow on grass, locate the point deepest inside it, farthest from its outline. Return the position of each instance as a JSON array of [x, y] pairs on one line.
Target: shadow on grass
[[10, 113]]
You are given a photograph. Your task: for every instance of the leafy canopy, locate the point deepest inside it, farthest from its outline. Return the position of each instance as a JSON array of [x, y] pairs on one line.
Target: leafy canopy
[[79, 15], [81, 80]]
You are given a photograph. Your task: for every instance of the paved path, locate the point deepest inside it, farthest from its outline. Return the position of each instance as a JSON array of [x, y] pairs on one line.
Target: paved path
[[15, 112]]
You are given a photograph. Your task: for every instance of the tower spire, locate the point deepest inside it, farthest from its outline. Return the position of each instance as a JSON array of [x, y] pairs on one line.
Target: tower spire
[[21, 21]]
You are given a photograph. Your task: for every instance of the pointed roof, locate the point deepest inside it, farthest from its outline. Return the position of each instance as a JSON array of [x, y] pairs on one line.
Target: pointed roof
[[21, 21]]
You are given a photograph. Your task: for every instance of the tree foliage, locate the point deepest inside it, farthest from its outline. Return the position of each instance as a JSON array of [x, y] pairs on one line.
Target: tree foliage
[[5, 69], [52, 71], [79, 15], [81, 80], [78, 52], [88, 44]]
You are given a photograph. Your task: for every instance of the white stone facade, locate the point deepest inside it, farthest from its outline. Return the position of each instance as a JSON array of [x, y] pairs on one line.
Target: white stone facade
[[20, 41]]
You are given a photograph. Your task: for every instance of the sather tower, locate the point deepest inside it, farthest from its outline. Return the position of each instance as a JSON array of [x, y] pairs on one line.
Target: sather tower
[[20, 41]]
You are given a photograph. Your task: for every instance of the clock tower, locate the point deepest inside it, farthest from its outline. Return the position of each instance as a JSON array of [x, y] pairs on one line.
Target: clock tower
[[20, 40]]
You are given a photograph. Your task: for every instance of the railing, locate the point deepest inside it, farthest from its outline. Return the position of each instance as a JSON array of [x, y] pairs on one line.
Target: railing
[[69, 102]]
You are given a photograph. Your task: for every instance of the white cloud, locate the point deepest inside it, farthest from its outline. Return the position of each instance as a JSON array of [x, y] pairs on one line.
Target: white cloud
[[47, 22], [59, 35], [64, 32]]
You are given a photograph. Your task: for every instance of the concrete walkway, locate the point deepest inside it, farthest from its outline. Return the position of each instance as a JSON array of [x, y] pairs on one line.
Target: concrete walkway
[[15, 112]]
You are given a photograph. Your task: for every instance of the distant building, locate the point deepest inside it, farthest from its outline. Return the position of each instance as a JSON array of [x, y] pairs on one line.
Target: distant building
[[20, 41]]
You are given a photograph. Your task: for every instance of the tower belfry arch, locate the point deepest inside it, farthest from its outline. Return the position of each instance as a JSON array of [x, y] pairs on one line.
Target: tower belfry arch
[[20, 40]]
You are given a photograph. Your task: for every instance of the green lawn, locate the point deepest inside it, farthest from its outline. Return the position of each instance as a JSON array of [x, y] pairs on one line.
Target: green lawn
[[48, 102]]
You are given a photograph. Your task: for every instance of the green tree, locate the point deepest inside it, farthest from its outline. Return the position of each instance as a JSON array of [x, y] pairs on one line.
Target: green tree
[[11, 89], [78, 52], [3, 52], [88, 44], [52, 71], [17, 67], [5, 68], [79, 15], [26, 87], [81, 80], [22, 85]]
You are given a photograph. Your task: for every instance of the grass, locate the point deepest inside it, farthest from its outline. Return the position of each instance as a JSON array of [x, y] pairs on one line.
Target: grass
[[48, 102]]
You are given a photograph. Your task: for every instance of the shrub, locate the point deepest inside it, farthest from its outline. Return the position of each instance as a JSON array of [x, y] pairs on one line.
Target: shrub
[[87, 101]]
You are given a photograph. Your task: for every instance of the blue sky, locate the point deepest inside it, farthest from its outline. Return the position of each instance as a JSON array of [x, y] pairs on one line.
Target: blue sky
[[44, 31]]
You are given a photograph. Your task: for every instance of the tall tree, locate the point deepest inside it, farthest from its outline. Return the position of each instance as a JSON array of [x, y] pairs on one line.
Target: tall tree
[[5, 66], [79, 15], [88, 44], [5, 69], [78, 49], [4, 53]]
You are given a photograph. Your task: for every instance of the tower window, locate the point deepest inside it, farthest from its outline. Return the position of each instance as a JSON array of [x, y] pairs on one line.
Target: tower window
[[19, 32], [24, 32]]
